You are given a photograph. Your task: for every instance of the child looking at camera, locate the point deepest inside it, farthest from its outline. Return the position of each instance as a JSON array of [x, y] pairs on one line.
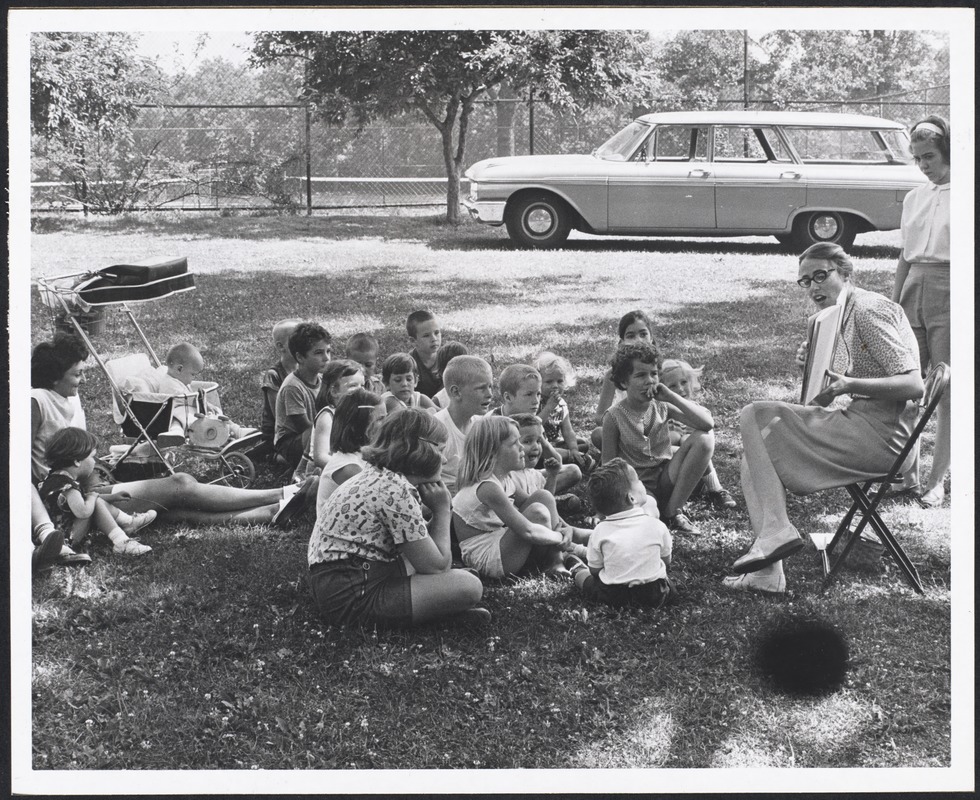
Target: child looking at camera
[[400, 376], [74, 509], [629, 550], [636, 429], [363, 348]]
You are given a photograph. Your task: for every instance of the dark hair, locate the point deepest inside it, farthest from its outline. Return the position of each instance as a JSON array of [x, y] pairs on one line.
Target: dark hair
[[526, 420], [51, 360], [415, 319], [404, 443], [941, 140], [448, 352], [634, 316], [608, 486], [622, 360], [827, 251], [352, 420], [333, 372], [361, 343], [68, 446], [306, 335], [398, 364]]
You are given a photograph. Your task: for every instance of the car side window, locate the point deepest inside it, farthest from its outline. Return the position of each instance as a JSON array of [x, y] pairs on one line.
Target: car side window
[[839, 145], [746, 144], [680, 143]]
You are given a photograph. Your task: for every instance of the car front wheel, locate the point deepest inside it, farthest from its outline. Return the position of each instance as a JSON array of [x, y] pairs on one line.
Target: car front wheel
[[538, 221], [822, 226]]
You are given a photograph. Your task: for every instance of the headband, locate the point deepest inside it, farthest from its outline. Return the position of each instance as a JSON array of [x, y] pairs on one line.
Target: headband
[[374, 406], [928, 126]]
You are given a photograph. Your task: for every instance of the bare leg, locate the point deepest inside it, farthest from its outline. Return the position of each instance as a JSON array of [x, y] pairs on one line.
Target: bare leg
[[260, 515], [687, 467], [79, 530], [446, 593], [183, 492], [765, 495], [568, 476], [939, 353]]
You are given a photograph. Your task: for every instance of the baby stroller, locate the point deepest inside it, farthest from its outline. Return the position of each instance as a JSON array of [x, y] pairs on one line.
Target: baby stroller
[[79, 302]]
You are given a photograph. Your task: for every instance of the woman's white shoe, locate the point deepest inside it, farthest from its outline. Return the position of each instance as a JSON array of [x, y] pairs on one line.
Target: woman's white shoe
[[766, 584]]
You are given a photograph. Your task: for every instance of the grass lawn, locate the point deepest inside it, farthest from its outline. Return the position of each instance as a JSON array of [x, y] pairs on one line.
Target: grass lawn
[[208, 654]]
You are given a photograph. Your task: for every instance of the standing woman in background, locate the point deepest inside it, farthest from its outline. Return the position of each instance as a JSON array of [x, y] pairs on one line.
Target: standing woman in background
[[922, 283]]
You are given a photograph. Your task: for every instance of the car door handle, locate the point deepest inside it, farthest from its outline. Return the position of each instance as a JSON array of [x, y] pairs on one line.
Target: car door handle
[[793, 175], [698, 173]]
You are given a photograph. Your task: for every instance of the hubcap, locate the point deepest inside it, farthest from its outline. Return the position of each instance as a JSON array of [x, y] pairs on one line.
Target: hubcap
[[825, 227], [539, 221]]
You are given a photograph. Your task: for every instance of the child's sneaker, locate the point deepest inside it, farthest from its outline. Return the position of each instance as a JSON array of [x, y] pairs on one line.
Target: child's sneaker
[[573, 563], [138, 522], [131, 548], [681, 523], [46, 553], [69, 558], [721, 500]]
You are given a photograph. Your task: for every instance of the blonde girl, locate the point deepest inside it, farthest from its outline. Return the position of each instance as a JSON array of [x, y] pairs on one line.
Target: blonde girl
[[557, 376], [500, 529], [373, 523], [684, 380]]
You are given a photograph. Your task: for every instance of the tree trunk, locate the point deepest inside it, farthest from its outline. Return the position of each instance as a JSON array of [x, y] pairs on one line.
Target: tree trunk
[[506, 108], [452, 173]]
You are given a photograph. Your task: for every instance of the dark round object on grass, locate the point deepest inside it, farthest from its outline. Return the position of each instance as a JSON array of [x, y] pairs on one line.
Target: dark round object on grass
[[803, 658]]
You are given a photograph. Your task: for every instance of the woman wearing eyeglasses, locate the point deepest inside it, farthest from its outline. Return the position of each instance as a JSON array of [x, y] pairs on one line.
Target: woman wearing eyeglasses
[[922, 283], [804, 449]]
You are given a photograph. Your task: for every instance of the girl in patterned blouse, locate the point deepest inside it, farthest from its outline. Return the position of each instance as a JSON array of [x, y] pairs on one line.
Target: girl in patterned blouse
[[357, 573]]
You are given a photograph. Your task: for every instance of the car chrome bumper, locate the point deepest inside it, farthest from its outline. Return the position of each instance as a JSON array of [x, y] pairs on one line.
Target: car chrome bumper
[[490, 213]]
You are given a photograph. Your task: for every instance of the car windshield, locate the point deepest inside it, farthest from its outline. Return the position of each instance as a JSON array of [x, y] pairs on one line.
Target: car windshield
[[850, 145], [621, 146]]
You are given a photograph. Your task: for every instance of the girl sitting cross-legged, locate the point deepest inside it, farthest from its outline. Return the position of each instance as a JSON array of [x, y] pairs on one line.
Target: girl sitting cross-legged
[[353, 425], [500, 529]]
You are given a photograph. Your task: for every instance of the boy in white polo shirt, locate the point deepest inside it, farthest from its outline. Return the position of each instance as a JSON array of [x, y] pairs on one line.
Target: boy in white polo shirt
[[629, 550]]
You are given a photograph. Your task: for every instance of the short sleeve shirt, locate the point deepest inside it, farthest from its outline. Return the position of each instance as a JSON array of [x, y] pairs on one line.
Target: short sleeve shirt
[[876, 339], [430, 381], [925, 224], [369, 516], [53, 490], [552, 425], [296, 397], [528, 481]]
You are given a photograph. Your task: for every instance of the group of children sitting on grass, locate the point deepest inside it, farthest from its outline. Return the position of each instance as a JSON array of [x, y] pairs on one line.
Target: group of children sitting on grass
[[508, 470]]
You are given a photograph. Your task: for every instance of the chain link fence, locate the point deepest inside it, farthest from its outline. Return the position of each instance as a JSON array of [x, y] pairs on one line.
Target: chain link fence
[[189, 154]]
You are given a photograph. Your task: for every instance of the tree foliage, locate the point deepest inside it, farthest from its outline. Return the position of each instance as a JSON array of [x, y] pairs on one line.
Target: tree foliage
[[367, 75], [84, 83]]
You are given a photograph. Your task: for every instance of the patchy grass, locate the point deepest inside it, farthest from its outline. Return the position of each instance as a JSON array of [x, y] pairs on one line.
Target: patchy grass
[[208, 654]]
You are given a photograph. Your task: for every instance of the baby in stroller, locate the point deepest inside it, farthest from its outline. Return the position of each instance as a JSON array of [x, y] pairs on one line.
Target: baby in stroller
[[181, 368]]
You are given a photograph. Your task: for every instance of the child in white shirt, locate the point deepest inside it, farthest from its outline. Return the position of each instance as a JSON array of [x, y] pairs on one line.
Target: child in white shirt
[[629, 550]]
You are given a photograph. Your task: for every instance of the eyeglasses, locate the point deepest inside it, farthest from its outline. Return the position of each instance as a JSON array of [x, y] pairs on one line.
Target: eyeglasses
[[818, 277]]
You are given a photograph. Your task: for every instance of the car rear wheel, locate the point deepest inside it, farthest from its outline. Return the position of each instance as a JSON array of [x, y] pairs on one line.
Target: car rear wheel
[[822, 226], [539, 221]]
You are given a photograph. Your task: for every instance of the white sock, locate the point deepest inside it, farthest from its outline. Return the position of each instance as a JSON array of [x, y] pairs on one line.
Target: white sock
[[711, 482], [122, 518], [117, 536], [42, 531]]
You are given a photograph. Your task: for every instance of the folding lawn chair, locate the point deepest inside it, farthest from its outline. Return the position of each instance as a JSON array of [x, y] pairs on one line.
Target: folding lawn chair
[[864, 506]]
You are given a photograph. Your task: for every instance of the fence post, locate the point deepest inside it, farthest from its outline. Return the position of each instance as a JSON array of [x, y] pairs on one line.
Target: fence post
[[309, 168], [530, 121]]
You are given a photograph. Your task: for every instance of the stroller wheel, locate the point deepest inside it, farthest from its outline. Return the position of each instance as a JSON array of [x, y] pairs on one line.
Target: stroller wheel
[[103, 474], [238, 470]]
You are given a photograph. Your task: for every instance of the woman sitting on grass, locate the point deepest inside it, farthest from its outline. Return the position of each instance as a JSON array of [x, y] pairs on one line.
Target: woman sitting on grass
[[57, 368], [808, 448], [357, 573]]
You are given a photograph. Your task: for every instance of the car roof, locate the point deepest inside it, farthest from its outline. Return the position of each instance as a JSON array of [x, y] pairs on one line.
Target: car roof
[[819, 119]]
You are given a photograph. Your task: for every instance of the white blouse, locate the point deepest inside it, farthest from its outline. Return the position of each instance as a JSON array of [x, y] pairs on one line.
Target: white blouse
[[925, 224]]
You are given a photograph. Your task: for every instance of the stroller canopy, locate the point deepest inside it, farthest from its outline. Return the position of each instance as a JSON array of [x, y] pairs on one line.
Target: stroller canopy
[[151, 279]]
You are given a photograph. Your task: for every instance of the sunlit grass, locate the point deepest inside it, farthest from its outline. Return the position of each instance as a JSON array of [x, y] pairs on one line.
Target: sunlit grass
[[208, 654]]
